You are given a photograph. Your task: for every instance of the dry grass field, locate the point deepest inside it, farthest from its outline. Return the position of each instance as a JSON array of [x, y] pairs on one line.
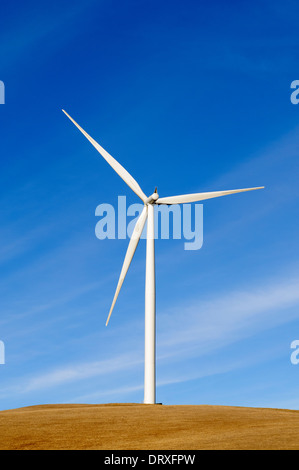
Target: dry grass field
[[148, 427]]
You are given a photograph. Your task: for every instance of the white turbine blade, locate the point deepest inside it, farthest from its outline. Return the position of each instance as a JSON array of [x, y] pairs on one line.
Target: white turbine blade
[[129, 255], [120, 170], [200, 196]]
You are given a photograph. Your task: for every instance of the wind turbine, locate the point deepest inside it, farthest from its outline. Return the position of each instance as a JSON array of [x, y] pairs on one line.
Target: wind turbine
[[150, 286]]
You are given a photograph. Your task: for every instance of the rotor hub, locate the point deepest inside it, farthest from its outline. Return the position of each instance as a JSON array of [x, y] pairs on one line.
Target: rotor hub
[[153, 198]]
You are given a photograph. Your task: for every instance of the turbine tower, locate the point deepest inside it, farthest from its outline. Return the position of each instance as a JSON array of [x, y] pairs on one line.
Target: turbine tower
[[150, 283]]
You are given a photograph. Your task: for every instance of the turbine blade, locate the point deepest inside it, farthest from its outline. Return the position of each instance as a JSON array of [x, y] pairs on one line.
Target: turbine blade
[[120, 170], [129, 255], [200, 196]]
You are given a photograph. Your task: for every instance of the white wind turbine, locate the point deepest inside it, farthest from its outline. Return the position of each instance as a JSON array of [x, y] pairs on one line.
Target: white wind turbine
[[150, 286]]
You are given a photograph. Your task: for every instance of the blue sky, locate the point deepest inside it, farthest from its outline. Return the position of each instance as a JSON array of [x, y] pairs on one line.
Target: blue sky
[[188, 96]]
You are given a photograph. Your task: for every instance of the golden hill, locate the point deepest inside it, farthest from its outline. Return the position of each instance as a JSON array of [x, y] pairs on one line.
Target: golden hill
[[148, 427]]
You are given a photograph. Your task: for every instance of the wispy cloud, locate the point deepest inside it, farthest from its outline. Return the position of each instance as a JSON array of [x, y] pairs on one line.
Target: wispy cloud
[[77, 372], [188, 331], [216, 322], [72, 373]]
